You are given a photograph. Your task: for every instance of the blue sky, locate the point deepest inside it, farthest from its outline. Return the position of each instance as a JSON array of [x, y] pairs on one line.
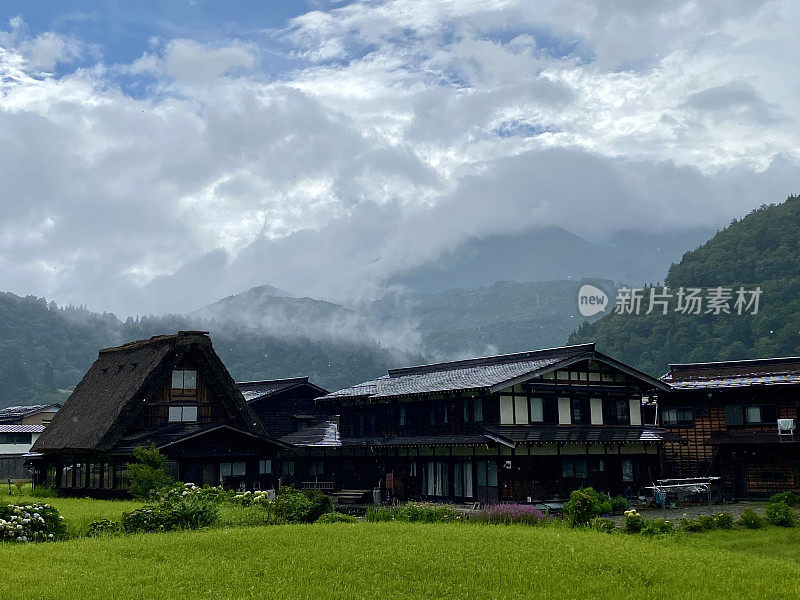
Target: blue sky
[[158, 148]]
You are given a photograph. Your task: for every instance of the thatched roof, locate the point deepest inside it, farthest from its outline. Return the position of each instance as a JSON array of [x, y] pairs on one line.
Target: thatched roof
[[108, 398]]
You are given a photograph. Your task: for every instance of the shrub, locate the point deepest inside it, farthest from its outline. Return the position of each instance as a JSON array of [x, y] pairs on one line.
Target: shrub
[[194, 512], [724, 520], [415, 512], [31, 523], [619, 504], [788, 498], [103, 527], [584, 505], [657, 526], [149, 519], [292, 506], [751, 520], [779, 513], [336, 517], [692, 525], [606, 508], [320, 504], [602, 525], [634, 522], [147, 474], [707, 522], [507, 514]]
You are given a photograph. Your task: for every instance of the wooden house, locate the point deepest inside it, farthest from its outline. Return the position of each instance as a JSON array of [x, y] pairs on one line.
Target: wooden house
[[525, 427], [172, 391], [284, 406], [736, 420]]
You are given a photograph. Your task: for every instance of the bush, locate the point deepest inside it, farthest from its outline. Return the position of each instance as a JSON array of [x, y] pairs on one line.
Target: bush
[[507, 514], [602, 525], [336, 517], [788, 498], [691, 525], [724, 520], [149, 520], [779, 513], [292, 506], [619, 504], [195, 512], [320, 504], [31, 523], [707, 522], [584, 505], [657, 527], [103, 527], [634, 522], [147, 474], [751, 520], [415, 512]]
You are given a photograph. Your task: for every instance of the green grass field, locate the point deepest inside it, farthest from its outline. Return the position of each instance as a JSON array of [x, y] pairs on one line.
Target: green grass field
[[401, 560]]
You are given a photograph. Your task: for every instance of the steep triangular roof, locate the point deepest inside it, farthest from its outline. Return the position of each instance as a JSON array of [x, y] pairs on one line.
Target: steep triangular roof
[[258, 390], [108, 398]]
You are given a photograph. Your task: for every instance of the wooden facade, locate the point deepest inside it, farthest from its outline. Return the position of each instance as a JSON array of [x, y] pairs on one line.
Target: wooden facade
[[724, 419], [526, 427]]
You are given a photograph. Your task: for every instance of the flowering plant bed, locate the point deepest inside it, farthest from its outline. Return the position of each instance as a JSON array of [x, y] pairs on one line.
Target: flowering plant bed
[[30, 523]]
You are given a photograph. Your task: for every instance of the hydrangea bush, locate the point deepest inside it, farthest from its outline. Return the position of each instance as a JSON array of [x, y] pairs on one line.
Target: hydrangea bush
[[31, 523]]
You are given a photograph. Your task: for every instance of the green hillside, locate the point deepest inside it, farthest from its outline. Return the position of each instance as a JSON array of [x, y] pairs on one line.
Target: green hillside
[[45, 350], [760, 250]]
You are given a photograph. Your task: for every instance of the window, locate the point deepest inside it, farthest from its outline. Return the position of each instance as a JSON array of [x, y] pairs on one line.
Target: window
[[627, 469], [761, 414], [580, 411], [182, 414], [678, 416], [287, 468], [574, 468], [232, 469], [265, 467], [15, 438], [487, 473], [537, 410], [184, 379], [315, 468], [477, 410], [616, 411], [94, 475], [401, 417]]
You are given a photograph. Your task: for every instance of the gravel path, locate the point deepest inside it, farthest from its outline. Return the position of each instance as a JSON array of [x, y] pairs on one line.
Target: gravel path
[[693, 511]]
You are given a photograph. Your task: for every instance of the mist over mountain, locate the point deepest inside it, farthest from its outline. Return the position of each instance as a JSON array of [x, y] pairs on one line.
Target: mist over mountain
[[552, 253], [759, 251]]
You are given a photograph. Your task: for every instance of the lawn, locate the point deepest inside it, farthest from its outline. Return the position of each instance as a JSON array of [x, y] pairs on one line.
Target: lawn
[[77, 512], [401, 560]]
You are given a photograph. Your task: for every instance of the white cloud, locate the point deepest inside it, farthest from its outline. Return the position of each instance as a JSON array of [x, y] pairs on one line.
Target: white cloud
[[407, 127]]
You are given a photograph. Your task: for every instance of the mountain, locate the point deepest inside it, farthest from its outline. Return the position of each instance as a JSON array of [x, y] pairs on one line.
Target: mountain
[[45, 350], [504, 317], [761, 250], [552, 253]]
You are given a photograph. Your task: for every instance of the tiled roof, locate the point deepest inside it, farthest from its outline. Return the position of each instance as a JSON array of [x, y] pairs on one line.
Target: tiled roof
[[732, 374], [323, 434], [252, 390], [15, 412], [471, 374], [21, 428], [576, 434]]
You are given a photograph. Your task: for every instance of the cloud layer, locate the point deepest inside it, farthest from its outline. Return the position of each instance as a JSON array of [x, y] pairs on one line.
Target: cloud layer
[[391, 132]]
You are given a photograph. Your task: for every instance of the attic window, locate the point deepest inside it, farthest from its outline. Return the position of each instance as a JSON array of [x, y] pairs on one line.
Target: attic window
[[182, 414], [184, 379]]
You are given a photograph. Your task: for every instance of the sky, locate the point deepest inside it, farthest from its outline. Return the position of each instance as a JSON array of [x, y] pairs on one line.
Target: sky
[[156, 156]]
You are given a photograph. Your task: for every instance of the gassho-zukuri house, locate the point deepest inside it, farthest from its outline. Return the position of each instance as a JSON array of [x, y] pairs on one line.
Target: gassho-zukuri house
[[172, 391]]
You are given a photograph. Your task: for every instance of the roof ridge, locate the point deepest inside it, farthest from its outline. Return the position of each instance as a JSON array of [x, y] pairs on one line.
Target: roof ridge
[[732, 363], [301, 379], [490, 360], [153, 340]]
